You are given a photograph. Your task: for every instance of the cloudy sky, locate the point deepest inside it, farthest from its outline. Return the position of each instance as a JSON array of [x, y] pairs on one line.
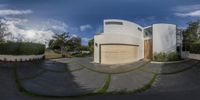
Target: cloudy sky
[[37, 20]]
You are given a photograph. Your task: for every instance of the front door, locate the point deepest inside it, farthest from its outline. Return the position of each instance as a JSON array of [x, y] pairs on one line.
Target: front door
[[148, 49]]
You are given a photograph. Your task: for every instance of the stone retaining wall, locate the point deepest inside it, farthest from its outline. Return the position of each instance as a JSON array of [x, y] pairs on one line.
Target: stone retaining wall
[[194, 56], [20, 57], [187, 54]]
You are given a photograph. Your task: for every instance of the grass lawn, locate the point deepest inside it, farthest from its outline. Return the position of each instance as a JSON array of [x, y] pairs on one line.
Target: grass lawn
[[50, 54]]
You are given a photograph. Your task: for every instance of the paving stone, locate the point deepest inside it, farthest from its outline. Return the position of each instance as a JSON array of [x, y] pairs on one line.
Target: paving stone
[[152, 68], [168, 68], [62, 60], [184, 82], [65, 84], [112, 69], [29, 70], [55, 66], [7, 84], [129, 81], [63, 65]]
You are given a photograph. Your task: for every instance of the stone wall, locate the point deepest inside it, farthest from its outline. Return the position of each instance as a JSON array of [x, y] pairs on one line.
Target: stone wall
[[187, 54], [20, 57]]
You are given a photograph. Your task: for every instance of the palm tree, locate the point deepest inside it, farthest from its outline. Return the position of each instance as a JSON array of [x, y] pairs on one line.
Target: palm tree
[[61, 40]]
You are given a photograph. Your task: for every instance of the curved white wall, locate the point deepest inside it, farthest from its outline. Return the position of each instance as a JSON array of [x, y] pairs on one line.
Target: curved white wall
[[127, 33], [164, 38], [128, 28], [20, 57]]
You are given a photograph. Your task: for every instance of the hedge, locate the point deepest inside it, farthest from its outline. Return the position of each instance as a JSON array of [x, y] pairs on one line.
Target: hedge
[[195, 48], [164, 57], [21, 48]]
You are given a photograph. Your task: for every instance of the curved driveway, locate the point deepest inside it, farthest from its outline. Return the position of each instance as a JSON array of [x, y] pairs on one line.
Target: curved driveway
[[75, 77]]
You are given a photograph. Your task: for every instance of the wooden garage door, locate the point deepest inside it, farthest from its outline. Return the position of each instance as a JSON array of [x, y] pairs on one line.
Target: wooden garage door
[[115, 54]]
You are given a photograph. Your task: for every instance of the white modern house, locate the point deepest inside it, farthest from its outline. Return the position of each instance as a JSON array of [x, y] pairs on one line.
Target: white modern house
[[123, 41]]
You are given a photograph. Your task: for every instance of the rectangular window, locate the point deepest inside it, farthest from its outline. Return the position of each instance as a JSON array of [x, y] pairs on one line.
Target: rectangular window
[[139, 29], [114, 23], [148, 32]]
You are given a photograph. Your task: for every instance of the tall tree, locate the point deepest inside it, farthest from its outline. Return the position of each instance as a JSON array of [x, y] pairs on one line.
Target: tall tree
[[3, 31], [91, 45], [61, 40], [191, 34], [74, 44]]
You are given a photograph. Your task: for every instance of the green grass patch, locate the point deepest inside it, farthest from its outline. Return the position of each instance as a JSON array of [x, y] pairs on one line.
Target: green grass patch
[[105, 86], [139, 90]]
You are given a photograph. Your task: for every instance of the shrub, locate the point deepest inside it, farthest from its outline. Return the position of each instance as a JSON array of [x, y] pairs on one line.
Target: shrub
[[195, 48], [80, 55], [173, 56], [163, 57], [21, 48]]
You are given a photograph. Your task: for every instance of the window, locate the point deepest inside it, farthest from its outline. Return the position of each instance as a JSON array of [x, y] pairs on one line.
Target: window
[[96, 44], [139, 29], [148, 32], [114, 23]]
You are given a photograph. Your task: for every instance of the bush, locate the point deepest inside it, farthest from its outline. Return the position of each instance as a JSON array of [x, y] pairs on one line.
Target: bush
[[163, 57], [21, 48], [195, 48], [80, 55]]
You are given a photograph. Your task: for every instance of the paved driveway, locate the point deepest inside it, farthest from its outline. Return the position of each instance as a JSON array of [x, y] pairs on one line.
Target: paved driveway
[[74, 77]]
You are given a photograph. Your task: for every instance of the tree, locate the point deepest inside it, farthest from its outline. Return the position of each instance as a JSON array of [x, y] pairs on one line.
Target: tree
[[91, 45], [74, 44], [191, 34], [3, 31], [61, 40]]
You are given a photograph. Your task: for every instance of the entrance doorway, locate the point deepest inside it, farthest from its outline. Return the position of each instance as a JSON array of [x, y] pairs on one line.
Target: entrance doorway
[[148, 52]]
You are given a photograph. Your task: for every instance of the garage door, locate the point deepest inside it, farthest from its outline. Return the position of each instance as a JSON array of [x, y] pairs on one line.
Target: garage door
[[115, 54]]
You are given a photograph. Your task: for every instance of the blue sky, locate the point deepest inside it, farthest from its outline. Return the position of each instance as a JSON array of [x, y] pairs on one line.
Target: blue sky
[[84, 17]]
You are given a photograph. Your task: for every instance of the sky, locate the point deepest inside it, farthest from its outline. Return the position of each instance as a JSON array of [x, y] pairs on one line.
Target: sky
[[38, 20]]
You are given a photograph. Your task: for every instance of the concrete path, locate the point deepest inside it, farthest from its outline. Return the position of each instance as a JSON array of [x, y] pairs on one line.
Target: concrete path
[[73, 78], [128, 82], [65, 84]]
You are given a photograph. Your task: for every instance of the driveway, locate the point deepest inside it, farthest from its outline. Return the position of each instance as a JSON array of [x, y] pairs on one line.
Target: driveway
[[77, 77]]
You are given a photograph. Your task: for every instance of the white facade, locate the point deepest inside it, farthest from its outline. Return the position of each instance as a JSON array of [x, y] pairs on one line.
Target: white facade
[[164, 38], [128, 33], [119, 32]]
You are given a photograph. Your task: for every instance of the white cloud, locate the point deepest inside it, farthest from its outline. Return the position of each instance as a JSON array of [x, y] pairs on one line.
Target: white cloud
[[7, 12], [85, 27], [189, 14], [99, 29], [41, 34], [74, 35], [85, 39], [188, 10]]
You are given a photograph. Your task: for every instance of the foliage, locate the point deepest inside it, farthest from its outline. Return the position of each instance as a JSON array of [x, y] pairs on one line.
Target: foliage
[[21, 48], [84, 48], [91, 45], [191, 34], [160, 57], [60, 40], [3, 31], [173, 56], [163, 57], [74, 44], [195, 48], [80, 55]]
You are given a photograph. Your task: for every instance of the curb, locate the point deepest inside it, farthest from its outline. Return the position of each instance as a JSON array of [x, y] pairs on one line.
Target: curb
[[169, 62]]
